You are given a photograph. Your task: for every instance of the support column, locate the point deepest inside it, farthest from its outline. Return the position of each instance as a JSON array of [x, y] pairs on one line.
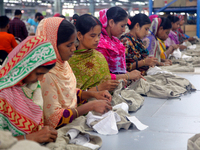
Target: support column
[[150, 7], [92, 7], [198, 18], [57, 6], [2, 10], [140, 8]]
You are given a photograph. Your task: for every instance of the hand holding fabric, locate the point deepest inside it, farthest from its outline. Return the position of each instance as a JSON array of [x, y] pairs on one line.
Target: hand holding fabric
[[109, 85], [103, 95], [101, 106], [134, 75], [151, 61]]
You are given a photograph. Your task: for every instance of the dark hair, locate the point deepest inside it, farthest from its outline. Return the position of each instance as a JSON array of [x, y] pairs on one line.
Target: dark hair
[[166, 23], [49, 67], [65, 30], [117, 14], [18, 12], [61, 16], [173, 18], [75, 18], [142, 19], [38, 14], [4, 20], [86, 22]]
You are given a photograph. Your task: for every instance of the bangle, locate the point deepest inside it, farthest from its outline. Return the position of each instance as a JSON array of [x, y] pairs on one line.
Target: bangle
[[77, 115], [127, 76], [144, 61], [24, 136], [97, 88]]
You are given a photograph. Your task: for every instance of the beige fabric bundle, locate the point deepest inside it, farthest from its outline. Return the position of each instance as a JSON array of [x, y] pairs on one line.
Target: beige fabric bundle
[[62, 141], [162, 86], [194, 143], [8, 142], [181, 67], [129, 96]]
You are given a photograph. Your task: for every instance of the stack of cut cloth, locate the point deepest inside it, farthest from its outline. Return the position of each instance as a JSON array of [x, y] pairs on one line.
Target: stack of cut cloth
[[162, 85]]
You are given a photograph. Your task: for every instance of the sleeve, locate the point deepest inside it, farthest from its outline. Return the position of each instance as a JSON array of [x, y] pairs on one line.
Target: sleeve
[[25, 32], [80, 101], [29, 21], [13, 42], [113, 76], [66, 118]]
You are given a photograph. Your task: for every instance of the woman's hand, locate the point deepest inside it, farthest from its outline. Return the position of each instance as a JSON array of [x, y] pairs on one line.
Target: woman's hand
[[100, 106], [134, 75], [182, 47], [109, 85], [168, 62], [151, 61], [46, 134], [103, 95]]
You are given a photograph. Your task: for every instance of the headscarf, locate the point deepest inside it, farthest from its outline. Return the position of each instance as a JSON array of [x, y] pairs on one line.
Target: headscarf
[[59, 85], [112, 49], [179, 31], [90, 68], [20, 103], [57, 15], [151, 42], [152, 17]]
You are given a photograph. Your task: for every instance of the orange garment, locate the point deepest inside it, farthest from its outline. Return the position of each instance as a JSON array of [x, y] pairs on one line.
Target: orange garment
[[7, 42]]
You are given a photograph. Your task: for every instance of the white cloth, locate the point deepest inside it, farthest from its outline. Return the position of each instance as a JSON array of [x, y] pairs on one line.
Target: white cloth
[[140, 126], [80, 139], [156, 70], [123, 106]]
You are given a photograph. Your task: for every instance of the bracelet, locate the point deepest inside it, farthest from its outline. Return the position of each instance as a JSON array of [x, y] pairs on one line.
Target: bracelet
[[24, 136], [77, 115], [97, 88], [127, 76], [144, 61]]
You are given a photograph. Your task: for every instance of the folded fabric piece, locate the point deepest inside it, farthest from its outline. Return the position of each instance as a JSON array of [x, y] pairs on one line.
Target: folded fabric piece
[[162, 86], [194, 143], [156, 70], [78, 137], [128, 96], [8, 142], [111, 122]]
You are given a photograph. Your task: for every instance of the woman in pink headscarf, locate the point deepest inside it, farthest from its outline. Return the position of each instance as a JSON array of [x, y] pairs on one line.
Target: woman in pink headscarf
[[152, 17], [113, 22]]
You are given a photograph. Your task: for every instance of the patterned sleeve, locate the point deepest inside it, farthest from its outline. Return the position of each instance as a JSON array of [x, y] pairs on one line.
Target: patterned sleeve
[[130, 48], [80, 101], [66, 118]]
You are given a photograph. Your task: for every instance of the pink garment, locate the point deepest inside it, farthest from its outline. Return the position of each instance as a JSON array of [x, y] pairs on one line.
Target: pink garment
[[103, 17], [56, 15], [112, 48], [172, 39], [152, 17]]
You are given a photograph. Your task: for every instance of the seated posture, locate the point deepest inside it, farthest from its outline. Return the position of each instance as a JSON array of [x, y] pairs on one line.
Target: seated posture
[[173, 37], [159, 30], [61, 98], [7, 41], [90, 66], [21, 103], [136, 52], [113, 22]]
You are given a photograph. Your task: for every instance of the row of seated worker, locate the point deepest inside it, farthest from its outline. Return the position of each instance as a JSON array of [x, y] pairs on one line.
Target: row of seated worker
[[48, 78]]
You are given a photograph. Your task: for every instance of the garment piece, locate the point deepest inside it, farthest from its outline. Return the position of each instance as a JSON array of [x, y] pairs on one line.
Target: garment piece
[[18, 28], [179, 68], [135, 51], [8, 142], [59, 84], [194, 143], [172, 39], [151, 41], [90, 68], [128, 96], [33, 23], [23, 112], [162, 85], [7, 42], [112, 49], [63, 139]]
